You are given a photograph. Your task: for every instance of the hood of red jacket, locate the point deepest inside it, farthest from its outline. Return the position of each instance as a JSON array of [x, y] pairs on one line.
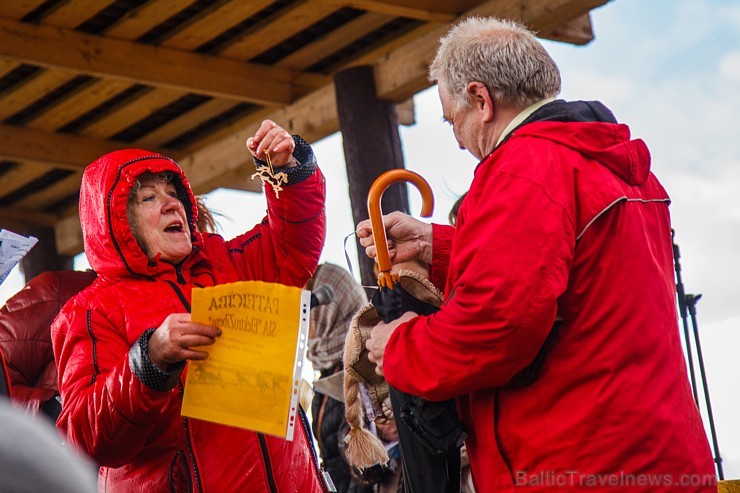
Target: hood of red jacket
[[110, 245], [591, 129], [609, 144]]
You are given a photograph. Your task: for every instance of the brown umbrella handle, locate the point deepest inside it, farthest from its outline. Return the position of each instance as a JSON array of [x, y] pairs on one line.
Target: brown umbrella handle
[[385, 279]]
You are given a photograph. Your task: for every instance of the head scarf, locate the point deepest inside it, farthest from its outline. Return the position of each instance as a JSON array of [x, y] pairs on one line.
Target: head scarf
[[331, 321]]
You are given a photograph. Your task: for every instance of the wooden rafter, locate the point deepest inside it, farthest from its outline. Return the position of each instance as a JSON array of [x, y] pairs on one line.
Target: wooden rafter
[[279, 28], [174, 71], [432, 11], [399, 76], [24, 219], [74, 105], [152, 65], [210, 26], [352, 31], [139, 21], [52, 149], [579, 31], [18, 9], [72, 14]]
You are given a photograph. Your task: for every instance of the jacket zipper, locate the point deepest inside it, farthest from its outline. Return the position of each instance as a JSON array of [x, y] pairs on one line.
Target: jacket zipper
[[185, 421], [192, 455], [314, 458], [179, 294], [268, 464], [178, 271], [189, 443]]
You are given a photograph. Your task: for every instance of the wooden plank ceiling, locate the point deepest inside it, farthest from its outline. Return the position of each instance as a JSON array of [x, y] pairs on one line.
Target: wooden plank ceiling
[[193, 78]]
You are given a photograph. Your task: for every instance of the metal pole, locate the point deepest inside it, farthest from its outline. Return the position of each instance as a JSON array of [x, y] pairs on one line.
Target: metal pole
[[691, 304], [684, 318]]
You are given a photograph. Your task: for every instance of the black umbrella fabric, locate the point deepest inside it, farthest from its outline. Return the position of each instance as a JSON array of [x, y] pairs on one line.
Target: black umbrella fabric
[[430, 433]]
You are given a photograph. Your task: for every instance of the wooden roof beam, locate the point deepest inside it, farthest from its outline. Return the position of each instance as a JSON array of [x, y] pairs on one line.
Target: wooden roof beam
[[399, 76], [579, 31], [404, 72], [554, 14], [54, 149], [431, 11], [19, 220], [279, 27], [152, 65], [409, 67]]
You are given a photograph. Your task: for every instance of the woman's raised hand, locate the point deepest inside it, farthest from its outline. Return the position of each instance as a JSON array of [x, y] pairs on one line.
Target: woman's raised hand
[[274, 139]]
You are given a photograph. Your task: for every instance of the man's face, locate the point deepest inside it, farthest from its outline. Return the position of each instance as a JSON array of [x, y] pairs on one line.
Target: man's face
[[463, 122], [160, 220]]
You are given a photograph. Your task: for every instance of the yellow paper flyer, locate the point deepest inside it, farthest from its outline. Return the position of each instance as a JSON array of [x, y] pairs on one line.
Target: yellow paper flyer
[[252, 376]]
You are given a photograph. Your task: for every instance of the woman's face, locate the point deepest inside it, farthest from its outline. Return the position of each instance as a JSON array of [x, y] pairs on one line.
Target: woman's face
[[159, 220]]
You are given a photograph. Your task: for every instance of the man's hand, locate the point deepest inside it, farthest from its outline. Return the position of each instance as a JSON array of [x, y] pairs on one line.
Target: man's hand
[[172, 341], [277, 141], [408, 238], [379, 339]]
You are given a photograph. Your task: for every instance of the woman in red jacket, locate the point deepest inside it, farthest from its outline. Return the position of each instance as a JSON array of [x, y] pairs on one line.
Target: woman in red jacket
[[122, 345]]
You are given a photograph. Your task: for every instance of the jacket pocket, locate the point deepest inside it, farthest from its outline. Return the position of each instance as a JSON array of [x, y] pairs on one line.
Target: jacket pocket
[[180, 481]]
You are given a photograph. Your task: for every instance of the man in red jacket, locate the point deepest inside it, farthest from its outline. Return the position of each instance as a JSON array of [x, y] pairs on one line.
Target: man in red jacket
[[558, 334], [122, 345]]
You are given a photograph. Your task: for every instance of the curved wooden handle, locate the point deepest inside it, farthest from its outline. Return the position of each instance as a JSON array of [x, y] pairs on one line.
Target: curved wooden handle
[[385, 279]]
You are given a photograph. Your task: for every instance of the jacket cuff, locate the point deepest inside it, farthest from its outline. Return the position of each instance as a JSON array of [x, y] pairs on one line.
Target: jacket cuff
[[147, 372], [306, 162]]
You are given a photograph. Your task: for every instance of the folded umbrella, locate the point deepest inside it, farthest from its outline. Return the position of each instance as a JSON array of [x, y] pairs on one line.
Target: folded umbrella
[[430, 433]]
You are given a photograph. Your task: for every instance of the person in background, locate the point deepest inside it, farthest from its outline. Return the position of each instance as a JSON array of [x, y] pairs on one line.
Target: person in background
[[328, 325], [4, 379], [558, 335], [122, 344], [25, 338], [32, 459]]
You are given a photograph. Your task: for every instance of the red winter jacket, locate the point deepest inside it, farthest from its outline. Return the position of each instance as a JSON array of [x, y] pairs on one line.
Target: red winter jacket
[[563, 221], [25, 334], [135, 433]]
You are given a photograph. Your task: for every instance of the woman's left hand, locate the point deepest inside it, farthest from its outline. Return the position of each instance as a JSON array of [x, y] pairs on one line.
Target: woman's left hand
[[176, 339], [277, 141]]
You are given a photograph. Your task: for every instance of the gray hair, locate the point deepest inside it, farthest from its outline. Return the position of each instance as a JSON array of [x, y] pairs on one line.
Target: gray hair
[[503, 55]]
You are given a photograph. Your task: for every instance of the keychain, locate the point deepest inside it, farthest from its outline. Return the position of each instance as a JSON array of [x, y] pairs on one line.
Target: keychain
[[267, 175]]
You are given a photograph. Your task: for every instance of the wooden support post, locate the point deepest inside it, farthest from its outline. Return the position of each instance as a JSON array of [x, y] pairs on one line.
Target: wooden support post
[[372, 145], [43, 256]]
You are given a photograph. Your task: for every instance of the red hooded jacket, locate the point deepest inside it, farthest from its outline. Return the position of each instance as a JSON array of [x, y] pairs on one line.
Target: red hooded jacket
[[563, 222], [135, 433]]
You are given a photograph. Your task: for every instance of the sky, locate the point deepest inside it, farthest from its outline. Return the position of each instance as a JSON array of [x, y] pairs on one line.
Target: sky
[[670, 69]]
